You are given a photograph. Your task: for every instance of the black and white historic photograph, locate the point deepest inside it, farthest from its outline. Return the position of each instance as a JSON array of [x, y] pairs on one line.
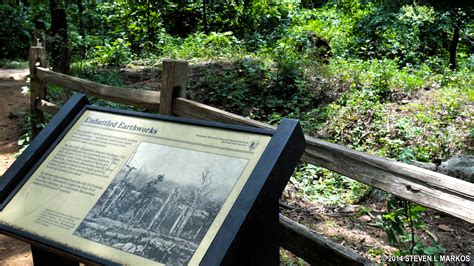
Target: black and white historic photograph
[[162, 202]]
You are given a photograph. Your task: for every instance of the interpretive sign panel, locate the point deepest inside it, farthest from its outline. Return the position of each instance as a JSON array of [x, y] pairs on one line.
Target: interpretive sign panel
[[122, 187], [135, 190]]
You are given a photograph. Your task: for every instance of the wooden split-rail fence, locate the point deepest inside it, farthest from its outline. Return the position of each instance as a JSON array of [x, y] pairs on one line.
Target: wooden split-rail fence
[[434, 190]]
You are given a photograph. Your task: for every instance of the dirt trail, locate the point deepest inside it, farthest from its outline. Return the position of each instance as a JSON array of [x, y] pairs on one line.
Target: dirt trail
[[13, 107]]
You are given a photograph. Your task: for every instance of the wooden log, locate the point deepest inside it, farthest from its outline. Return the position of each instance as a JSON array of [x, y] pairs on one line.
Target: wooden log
[[47, 107], [173, 83], [136, 97], [434, 190], [314, 249], [37, 56], [187, 108]]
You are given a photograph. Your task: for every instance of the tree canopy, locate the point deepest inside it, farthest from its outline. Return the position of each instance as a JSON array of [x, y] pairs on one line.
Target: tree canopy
[[113, 31]]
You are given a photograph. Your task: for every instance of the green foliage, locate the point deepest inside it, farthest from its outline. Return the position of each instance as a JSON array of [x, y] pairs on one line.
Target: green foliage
[[116, 53], [107, 76], [364, 117], [25, 139], [410, 34], [370, 75], [401, 225], [264, 21], [15, 32], [289, 259], [334, 23], [199, 46], [320, 184], [7, 63], [257, 89]]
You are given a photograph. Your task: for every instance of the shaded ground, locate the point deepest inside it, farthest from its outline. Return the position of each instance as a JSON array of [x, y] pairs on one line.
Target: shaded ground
[[13, 105], [354, 226]]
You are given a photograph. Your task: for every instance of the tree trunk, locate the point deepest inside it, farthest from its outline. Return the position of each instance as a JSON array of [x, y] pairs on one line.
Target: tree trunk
[[60, 55], [246, 18], [188, 215], [176, 193], [80, 9], [148, 29], [454, 45], [204, 16], [178, 221], [82, 31]]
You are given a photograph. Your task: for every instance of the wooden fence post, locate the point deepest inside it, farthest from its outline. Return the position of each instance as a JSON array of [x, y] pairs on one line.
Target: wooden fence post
[[37, 87], [173, 83]]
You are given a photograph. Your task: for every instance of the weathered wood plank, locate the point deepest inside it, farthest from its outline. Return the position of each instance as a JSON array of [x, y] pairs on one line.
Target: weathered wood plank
[[173, 83], [47, 107], [37, 55], [434, 190], [135, 97], [314, 249], [187, 108]]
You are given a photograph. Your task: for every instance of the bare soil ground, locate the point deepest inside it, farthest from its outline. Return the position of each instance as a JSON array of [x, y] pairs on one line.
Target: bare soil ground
[[13, 105], [354, 226]]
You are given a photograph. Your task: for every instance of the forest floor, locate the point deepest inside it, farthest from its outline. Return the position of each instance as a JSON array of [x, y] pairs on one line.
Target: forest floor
[[13, 107], [351, 225], [354, 226]]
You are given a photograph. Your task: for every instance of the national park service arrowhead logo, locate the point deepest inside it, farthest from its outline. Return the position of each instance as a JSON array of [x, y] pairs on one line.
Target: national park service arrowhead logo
[[253, 145]]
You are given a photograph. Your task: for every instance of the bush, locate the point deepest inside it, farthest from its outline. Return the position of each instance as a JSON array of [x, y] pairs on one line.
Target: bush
[[197, 46], [261, 90], [320, 184], [431, 129], [410, 34], [116, 53], [15, 32]]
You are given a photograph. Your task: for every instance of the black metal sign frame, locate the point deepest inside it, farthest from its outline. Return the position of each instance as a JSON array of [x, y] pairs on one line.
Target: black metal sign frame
[[249, 233]]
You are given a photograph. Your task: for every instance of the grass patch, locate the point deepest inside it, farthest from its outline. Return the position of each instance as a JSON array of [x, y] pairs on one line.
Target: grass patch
[[6, 63]]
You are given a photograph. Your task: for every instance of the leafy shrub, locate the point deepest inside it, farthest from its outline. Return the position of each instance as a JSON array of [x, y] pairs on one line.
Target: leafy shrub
[[431, 129], [15, 32], [316, 183], [264, 22], [335, 22], [116, 53], [8, 63], [401, 225], [409, 34], [258, 89], [382, 77], [201, 46], [302, 46]]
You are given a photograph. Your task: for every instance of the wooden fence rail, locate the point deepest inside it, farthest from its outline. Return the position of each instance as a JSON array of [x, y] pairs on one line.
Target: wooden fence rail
[[139, 98], [317, 250], [425, 187]]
